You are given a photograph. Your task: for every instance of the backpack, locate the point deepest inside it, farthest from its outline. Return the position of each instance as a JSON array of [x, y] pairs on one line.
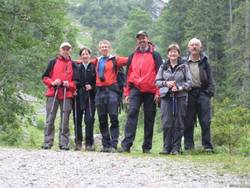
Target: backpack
[[121, 76], [121, 81]]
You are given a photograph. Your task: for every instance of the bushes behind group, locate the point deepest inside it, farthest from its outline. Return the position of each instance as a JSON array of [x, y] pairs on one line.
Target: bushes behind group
[[231, 127]]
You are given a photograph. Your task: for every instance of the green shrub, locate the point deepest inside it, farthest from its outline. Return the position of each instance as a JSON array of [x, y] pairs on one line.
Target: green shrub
[[11, 135], [40, 123], [231, 126], [13, 114]]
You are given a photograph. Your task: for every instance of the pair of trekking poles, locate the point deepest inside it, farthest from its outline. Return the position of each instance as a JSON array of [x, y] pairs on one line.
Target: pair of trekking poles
[[53, 105], [63, 112]]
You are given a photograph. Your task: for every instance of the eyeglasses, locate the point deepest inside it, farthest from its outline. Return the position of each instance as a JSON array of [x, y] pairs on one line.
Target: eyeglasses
[[66, 48]]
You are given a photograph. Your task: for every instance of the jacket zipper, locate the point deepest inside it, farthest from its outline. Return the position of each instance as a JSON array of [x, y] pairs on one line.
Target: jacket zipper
[[140, 66]]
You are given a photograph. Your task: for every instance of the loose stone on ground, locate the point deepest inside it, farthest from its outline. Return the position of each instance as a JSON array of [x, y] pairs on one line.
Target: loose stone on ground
[[39, 168]]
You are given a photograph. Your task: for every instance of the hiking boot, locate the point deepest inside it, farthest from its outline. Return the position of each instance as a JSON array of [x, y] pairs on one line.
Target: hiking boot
[[89, 148], [123, 150], [106, 150], [191, 147], [147, 151], [165, 152], [78, 147], [208, 150], [46, 146], [175, 152], [66, 148]]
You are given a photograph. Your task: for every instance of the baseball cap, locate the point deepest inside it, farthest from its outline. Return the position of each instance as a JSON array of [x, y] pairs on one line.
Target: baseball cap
[[65, 44], [141, 33]]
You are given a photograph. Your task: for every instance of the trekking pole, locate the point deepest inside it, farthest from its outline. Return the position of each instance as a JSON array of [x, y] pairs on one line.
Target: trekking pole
[[64, 101], [54, 100], [120, 106], [75, 117], [53, 105], [90, 109], [173, 106]]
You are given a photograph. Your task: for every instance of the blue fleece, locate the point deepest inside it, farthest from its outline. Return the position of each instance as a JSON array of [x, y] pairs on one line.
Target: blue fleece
[[101, 67]]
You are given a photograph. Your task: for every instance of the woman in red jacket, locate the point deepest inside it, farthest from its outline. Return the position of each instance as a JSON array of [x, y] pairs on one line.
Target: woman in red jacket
[[58, 77]]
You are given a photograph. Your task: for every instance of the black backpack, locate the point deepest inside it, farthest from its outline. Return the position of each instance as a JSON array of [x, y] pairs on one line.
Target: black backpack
[[121, 76], [121, 81]]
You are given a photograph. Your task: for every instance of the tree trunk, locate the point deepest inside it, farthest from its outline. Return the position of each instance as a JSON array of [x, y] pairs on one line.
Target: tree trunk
[[246, 80], [231, 21]]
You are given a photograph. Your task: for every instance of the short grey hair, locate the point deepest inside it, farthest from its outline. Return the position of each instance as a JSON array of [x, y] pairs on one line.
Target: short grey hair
[[195, 40], [104, 42]]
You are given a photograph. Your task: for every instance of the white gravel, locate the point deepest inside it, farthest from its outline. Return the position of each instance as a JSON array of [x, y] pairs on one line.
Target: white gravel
[[61, 169]]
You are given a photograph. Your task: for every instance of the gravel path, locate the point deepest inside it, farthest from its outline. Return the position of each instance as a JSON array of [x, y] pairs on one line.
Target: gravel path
[[39, 168]]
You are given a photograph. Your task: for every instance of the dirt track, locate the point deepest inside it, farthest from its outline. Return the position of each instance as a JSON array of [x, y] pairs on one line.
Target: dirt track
[[39, 168]]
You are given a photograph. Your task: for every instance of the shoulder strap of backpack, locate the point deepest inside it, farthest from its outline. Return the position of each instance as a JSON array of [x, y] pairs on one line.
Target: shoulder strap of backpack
[[165, 66], [50, 67], [129, 63], [157, 59], [114, 64]]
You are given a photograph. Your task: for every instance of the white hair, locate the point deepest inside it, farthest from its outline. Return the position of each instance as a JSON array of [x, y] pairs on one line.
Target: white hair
[[104, 42], [195, 40]]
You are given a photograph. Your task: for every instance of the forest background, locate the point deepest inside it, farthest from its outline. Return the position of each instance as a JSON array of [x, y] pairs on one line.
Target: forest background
[[31, 32]]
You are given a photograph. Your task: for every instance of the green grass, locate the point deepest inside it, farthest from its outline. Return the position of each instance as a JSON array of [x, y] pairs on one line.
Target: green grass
[[220, 160]]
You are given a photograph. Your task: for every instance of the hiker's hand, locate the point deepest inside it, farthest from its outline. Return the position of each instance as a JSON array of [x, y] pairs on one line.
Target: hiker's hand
[[88, 87], [126, 99], [75, 93], [157, 99], [57, 82], [170, 84], [174, 89], [66, 83]]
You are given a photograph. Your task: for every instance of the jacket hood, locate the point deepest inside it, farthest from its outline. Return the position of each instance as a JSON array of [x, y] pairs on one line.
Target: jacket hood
[[150, 49], [180, 61], [203, 56]]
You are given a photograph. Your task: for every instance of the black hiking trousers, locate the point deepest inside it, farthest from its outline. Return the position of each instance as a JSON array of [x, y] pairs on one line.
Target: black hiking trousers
[[107, 102], [136, 98], [88, 111], [173, 112], [199, 104]]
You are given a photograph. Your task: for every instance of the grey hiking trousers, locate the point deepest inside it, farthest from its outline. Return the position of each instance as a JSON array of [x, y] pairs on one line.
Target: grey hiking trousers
[[49, 131]]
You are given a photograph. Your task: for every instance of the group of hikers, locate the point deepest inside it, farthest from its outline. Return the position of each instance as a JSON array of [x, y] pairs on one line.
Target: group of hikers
[[181, 86]]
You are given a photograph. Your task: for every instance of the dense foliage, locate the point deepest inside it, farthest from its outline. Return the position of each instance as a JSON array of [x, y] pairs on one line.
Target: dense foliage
[[223, 27], [30, 32]]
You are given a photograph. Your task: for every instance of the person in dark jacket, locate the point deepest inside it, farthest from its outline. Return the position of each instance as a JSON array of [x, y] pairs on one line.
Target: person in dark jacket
[[143, 65], [174, 80], [199, 103], [108, 94], [84, 102], [58, 77]]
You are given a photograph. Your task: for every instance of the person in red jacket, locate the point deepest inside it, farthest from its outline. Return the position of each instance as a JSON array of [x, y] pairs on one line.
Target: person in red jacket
[[142, 68], [58, 77], [107, 94]]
